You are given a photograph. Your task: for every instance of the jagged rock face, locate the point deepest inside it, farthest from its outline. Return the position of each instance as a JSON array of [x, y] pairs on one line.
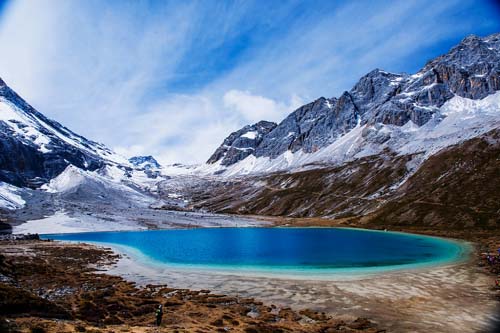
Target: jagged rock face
[[34, 149], [470, 69], [242, 143], [145, 162], [305, 128]]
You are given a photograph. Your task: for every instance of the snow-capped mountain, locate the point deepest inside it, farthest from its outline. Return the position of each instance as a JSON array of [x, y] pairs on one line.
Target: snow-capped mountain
[[145, 162], [452, 98], [397, 149], [35, 149]]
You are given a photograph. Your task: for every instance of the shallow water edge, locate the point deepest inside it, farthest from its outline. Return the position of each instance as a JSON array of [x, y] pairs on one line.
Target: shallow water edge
[[461, 254]]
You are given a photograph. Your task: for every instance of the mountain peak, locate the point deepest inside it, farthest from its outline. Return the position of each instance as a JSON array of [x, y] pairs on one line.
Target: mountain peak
[[470, 70], [471, 39], [241, 143], [145, 162]]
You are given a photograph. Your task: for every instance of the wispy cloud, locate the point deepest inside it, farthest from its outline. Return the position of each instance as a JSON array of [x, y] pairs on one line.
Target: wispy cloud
[[174, 78], [253, 108]]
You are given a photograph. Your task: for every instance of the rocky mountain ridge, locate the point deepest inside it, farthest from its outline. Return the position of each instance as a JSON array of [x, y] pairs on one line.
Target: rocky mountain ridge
[[470, 70], [242, 143]]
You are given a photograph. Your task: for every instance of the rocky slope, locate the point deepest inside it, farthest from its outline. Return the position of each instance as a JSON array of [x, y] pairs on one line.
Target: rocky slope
[[454, 188], [242, 143], [34, 149], [458, 187], [380, 100]]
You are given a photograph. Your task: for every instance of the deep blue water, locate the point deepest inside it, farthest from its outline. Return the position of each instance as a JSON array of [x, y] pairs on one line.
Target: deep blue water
[[280, 248]]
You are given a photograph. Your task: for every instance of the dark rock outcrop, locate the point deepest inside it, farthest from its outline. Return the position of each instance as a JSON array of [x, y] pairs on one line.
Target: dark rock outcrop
[[242, 143]]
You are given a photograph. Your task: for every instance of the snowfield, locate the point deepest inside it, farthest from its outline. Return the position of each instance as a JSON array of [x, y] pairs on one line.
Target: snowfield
[[9, 197], [61, 223]]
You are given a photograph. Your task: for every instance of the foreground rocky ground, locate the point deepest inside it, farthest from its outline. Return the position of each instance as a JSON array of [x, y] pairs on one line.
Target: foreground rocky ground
[[53, 287]]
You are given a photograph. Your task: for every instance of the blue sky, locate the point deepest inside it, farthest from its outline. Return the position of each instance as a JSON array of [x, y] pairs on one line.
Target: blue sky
[[173, 78]]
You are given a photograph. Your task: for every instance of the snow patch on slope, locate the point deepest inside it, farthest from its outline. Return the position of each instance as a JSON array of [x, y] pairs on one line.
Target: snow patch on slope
[[9, 197], [461, 119], [61, 223], [250, 135], [70, 178]]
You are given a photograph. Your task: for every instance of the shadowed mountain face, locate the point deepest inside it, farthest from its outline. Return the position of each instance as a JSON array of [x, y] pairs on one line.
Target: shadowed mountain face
[[35, 149], [470, 69]]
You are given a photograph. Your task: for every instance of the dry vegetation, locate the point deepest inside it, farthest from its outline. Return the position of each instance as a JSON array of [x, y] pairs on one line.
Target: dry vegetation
[[51, 287], [457, 188]]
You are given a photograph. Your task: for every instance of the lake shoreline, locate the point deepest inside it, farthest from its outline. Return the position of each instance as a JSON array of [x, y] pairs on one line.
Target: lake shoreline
[[404, 300], [77, 295], [417, 300], [465, 249]]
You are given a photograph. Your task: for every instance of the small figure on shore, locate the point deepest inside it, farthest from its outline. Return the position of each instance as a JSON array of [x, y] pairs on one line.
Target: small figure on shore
[[159, 315]]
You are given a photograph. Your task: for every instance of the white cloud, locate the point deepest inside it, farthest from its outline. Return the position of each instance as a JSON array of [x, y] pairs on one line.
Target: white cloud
[[182, 128], [254, 108], [87, 64], [187, 128]]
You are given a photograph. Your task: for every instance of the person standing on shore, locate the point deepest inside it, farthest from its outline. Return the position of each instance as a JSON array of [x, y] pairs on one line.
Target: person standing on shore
[[159, 315]]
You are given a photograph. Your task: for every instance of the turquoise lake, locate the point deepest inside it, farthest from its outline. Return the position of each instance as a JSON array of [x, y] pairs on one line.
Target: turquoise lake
[[313, 250]]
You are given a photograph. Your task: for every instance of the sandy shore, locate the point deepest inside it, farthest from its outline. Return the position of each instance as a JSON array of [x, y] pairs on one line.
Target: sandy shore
[[448, 298]]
